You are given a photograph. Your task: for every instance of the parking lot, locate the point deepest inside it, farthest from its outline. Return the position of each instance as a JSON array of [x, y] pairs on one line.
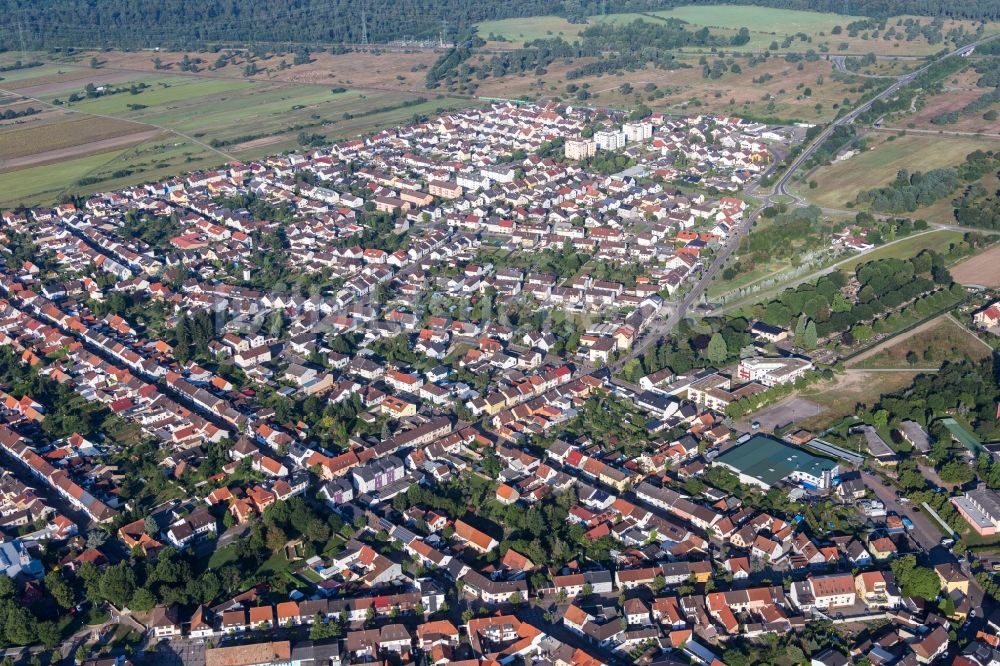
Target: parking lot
[[791, 410]]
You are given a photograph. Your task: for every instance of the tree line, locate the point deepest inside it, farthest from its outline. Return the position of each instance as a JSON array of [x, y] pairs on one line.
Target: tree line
[[184, 24]]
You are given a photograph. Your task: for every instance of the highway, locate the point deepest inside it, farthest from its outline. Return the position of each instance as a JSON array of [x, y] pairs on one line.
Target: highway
[[664, 327]]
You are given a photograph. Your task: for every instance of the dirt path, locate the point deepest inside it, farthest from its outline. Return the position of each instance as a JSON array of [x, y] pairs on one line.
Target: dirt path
[[892, 341], [764, 293], [259, 143], [911, 130], [77, 151], [136, 122]]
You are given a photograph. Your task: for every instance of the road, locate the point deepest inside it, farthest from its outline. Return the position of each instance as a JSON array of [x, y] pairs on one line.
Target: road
[[840, 64], [924, 531], [928, 536], [906, 79], [663, 328]]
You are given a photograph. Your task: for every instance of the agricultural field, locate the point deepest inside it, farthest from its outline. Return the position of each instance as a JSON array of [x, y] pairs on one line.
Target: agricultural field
[[839, 183], [982, 269], [941, 340], [19, 141], [139, 124], [41, 184]]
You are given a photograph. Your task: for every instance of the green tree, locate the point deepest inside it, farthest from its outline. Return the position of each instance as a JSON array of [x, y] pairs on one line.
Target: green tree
[[809, 337], [957, 472], [142, 600], [915, 580], [19, 626], [717, 352], [118, 584], [60, 590], [800, 327]]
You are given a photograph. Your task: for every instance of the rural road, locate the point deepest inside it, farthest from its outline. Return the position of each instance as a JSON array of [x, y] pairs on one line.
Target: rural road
[[934, 132], [840, 64], [906, 79]]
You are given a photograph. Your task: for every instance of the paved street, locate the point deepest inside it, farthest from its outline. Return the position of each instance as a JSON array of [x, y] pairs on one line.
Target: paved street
[[924, 531]]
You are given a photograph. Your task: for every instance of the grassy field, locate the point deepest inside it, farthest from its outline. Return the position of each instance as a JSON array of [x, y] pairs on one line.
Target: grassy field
[[720, 286], [782, 94], [908, 247], [944, 341], [46, 184], [765, 25], [840, 182]]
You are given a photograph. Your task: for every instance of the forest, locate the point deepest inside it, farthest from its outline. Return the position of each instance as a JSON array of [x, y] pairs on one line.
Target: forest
[[180, 24], [634, 44]]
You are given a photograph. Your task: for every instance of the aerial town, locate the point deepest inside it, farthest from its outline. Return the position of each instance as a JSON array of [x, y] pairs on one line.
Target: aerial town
[[417, 398]]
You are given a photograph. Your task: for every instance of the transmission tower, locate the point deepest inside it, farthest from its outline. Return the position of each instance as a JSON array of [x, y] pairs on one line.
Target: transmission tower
[[20, 38], [364, 26]]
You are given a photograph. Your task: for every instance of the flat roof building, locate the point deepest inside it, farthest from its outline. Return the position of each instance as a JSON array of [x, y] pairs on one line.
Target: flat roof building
[[765, 462], [981, 509]]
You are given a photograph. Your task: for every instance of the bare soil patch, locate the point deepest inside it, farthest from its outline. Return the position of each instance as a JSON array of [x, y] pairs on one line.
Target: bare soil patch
[[790, 410], [982, 269]]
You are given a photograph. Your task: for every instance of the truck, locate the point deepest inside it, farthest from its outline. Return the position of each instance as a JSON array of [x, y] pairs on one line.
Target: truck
[[907, 523]]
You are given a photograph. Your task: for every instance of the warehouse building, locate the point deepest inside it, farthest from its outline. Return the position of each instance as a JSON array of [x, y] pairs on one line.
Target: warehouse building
[[765, 462]]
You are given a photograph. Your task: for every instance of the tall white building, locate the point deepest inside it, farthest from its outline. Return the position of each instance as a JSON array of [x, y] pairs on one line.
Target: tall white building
[[579, 149], [638, 131], [609, 139]]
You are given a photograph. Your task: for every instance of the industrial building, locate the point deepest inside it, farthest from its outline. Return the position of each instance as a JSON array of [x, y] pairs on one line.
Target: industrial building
[[765, 462]]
